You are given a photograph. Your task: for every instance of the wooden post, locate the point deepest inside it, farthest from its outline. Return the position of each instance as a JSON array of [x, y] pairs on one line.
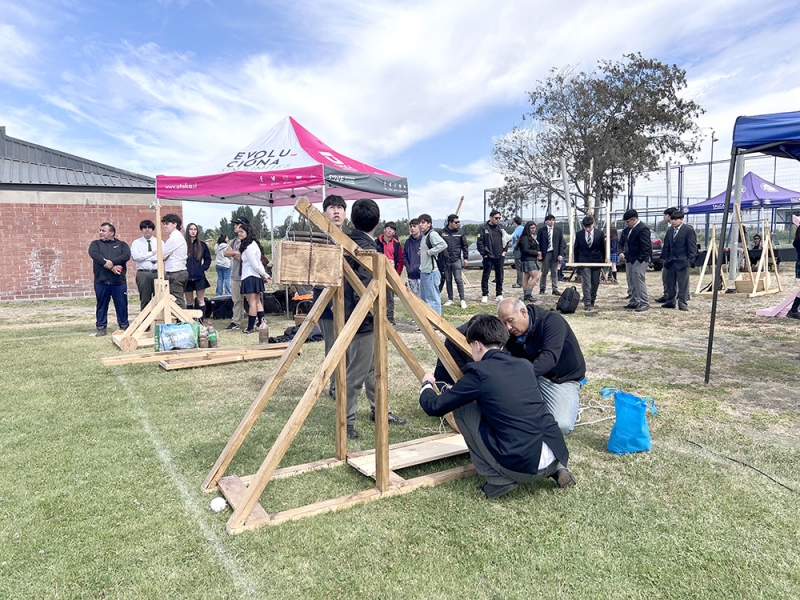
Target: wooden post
[[341, 378], [380, 265]]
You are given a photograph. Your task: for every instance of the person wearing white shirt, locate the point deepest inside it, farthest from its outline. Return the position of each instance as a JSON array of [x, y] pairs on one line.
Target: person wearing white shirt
[[253, 276], [145, 254], [175, 254], [223, 266]]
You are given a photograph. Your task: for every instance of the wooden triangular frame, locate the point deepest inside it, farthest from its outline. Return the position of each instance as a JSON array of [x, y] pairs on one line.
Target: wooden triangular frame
[[767, 259], [247, 512], [162, 307], [712, 256], [571, 249]]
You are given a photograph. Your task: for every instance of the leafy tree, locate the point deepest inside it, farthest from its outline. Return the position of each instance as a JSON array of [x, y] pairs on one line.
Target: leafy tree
[[623, 117]]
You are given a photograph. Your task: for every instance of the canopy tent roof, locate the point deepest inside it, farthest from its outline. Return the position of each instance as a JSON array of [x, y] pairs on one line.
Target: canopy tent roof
[[776, 134], [285, 162], [756, 193]]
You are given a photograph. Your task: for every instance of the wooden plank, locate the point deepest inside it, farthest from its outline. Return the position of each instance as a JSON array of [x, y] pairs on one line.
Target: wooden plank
[[286, 472], [381, 458], [340, 441], [145, 357], [438, 436], [234, 490], [269, 387], [416, 454], [304, 406], [335, 504], [209, 361]]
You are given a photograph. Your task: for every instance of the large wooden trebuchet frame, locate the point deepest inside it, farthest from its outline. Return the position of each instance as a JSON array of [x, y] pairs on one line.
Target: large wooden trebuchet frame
[[247, 512]]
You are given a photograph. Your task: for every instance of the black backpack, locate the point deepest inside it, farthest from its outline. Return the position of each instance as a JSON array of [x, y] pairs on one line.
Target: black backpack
[[441, 259], [569, 300]]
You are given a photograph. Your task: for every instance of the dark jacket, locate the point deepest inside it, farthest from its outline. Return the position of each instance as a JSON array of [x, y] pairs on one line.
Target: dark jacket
[[457, 246], [411, 256], [514, 418], [197, 269], [398, 252], [528, 248], [459, 357], [551, 345], [596, 253], [118, 252], [796, 244], [639, 245], [679, 252], [486, 245], [364, 240], [559, 245]]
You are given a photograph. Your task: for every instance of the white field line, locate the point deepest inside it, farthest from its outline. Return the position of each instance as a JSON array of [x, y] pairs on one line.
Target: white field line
[[240, 578]]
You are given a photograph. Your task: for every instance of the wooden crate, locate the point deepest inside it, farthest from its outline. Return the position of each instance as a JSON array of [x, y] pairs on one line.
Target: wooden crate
[[308, 264], [744, 284]]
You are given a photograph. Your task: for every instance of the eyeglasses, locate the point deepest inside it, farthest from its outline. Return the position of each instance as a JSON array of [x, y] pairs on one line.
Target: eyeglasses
[[457, 222]]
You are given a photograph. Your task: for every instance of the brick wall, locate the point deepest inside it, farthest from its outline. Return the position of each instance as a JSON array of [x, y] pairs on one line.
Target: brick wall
[[44, 246]]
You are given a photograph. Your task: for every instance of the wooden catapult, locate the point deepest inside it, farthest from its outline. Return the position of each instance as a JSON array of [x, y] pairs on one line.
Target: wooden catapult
[[748, 284], [162, 308], [243, 493]]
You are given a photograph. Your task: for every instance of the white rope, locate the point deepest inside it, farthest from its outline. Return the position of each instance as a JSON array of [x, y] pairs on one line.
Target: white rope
[[592, 405]]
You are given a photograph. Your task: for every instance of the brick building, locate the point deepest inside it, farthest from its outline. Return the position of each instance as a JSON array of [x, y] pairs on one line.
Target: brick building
[[51, 207]]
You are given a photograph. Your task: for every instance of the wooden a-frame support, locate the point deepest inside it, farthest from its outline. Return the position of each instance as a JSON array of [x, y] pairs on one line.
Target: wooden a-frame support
[[712, 256], [162, 307], [380, 464]]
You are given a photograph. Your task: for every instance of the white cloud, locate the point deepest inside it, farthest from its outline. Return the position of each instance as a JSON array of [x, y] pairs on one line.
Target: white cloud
[[16, 55]]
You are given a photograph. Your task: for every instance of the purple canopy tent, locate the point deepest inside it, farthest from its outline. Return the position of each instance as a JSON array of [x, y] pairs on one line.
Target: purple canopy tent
[[756, 193], [777, 135]]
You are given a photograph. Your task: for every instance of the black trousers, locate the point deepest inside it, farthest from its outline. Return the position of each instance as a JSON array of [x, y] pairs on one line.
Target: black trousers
[[677, 283], [488, 265]]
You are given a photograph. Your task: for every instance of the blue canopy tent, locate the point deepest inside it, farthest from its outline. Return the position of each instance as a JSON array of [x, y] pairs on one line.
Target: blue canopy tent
[[777, 135], [756, 193]]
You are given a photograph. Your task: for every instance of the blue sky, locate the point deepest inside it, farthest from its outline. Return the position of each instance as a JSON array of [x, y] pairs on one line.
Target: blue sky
[[418, 88]]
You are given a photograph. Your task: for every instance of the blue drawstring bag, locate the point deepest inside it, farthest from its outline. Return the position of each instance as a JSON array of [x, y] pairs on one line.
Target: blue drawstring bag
[[630, 432]]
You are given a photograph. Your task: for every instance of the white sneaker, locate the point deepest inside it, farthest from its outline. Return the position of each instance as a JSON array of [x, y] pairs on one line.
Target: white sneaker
[[449, 303], [463, 304], [484, 299], [499, 298]]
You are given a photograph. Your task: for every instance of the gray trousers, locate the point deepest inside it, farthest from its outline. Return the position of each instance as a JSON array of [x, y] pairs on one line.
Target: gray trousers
[[454, 272], [390, 305], [468, 418], [636, 275], [177, 284], [326, 327], [238, 301], [549, 265], [360, 372], [145, 284], [590, 281], [518, 266], [677, 284]]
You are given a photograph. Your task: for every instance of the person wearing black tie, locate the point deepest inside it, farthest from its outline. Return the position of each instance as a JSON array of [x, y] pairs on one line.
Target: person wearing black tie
[[551, 250], [144, 254], [679, 253], [638, 250], [590, 247]]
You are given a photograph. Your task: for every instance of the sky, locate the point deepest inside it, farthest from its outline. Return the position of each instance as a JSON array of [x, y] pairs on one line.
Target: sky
[[416, 88]]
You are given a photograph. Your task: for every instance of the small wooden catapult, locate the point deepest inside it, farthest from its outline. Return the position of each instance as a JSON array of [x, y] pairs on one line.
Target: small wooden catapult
[[243, 493], [748, 284], [162, 308]]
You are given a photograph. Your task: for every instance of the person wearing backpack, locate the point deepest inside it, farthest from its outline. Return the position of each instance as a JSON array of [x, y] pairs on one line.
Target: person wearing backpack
[[454, 258], [429, 276]]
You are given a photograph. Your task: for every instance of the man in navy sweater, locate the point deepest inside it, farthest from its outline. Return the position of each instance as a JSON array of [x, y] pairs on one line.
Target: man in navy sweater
[[512, 438], [109, 260]]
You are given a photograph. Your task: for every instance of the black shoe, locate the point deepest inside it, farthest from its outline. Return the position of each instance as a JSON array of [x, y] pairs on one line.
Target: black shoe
[[587, 307], [352, 434], [630, 306], [541, 291], [332, 392], [682, 306], [642, 308], [556, 293], [393, 418], [232, 326], [249, 330], [563, 478], [667, 305], [662, 299], [101, 331], [495, 491], [793, 315], [124, 327]]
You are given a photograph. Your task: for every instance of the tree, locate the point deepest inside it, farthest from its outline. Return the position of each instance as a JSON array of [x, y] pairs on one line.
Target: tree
[[623, 117]]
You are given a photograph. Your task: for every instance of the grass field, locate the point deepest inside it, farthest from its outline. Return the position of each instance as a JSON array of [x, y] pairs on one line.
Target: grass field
[[101, 472]]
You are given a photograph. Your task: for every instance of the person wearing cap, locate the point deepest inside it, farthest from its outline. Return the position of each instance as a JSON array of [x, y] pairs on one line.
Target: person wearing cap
[[512, 437], [233, 253], [680, 252], [545, 339], [590, 247], [552, 249], [637, 258], [144, 254], [668, 220]]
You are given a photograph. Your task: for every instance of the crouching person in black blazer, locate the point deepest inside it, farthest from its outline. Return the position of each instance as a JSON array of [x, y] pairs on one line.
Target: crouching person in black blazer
[[512, 437]]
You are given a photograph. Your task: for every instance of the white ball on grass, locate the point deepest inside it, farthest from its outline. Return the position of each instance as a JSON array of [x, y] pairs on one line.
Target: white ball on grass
[[218, 504]]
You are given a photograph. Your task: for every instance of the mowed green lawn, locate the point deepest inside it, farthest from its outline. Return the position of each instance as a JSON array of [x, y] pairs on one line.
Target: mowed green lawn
[[101, 473]]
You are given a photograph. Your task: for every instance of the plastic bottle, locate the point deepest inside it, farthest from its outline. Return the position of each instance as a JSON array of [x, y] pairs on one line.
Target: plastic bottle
[[212, 335], [263, 332], [203, 337]]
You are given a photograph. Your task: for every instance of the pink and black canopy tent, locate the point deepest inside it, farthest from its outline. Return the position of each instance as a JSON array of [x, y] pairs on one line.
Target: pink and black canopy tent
[[286, 162]]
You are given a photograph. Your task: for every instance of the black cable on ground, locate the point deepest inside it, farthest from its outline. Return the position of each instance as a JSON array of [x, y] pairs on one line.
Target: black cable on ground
[[745, 465]]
